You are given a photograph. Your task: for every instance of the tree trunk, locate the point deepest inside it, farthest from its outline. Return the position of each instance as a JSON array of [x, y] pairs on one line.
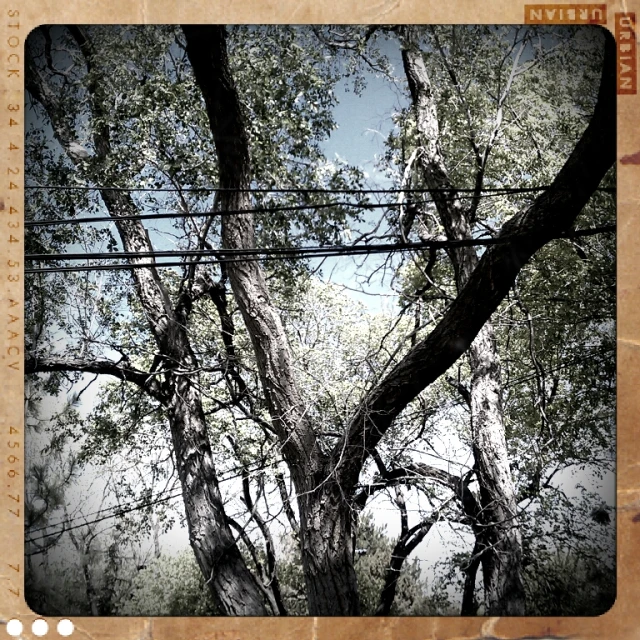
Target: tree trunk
[[327, 553], [234, 588], [325, 516], [499, 533], [469, 603]]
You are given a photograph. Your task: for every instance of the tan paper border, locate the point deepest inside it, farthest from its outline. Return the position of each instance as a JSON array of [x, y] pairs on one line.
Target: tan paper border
[[17, 19]]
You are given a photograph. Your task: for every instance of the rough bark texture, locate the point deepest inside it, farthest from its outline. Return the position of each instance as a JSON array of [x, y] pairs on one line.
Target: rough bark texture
[[234, 587], [498, 531], [325, 535], [325, 514]]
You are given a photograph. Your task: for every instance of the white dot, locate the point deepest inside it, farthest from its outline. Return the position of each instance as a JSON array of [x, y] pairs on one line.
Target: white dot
[[65, 627], [14, 627], [39, 627]]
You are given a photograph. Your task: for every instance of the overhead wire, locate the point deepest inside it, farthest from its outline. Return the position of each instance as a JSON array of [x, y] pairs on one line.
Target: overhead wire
[[145, 501], [257, 254], [257, 210], [254, 254], [213, 189], [119, 510], [96, 520], [197, 214]]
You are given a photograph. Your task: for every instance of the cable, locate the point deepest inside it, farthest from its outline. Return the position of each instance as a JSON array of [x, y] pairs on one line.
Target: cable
[[118, 509], [183, 214], [277, 251], [295, 189], [251, 255], [107, 517]]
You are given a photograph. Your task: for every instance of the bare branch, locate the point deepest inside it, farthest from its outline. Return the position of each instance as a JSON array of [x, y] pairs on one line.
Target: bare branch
[[121, 370]]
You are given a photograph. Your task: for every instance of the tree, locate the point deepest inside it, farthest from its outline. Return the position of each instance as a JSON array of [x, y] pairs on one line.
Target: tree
[[371, 563], [327, 472], [171, 586], [551, 589]]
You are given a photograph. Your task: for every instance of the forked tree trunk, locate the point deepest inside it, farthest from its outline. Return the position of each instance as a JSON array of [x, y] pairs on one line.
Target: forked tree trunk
[[325, 483], [325, 523]]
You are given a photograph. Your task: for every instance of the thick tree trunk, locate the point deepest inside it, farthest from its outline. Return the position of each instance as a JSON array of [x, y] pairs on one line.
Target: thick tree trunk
[[234, 587], [325, 523], [498, 529], [327, 554]]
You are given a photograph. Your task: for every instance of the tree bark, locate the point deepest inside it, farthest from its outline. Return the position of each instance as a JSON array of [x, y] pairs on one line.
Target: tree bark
[[498, 530], [233, 586], [327, 559], [325, 513]]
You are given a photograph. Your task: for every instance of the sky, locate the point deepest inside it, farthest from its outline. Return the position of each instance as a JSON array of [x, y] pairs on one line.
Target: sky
[[364, 123]]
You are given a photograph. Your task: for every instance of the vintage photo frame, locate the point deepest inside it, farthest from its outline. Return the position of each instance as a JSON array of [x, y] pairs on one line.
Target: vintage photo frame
[[20, 17]]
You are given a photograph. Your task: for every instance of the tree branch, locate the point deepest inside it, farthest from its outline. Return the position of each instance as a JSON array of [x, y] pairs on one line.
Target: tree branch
[[408, 541], [286, 502], [207, 52], [121, 370], [551, 214]]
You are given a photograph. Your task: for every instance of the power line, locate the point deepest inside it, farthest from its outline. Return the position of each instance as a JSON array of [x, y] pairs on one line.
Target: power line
[[145, 502], [118, 510], [262, 210], [295, 189], [273, 251], [189, 214], [250, 255], [96, 520]]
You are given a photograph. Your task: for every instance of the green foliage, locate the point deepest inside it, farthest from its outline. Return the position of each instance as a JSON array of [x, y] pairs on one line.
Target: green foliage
[[169, 586], [569, 585], [411, 597]]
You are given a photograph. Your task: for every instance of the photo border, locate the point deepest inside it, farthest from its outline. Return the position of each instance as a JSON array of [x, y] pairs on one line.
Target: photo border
[[18, 19]]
